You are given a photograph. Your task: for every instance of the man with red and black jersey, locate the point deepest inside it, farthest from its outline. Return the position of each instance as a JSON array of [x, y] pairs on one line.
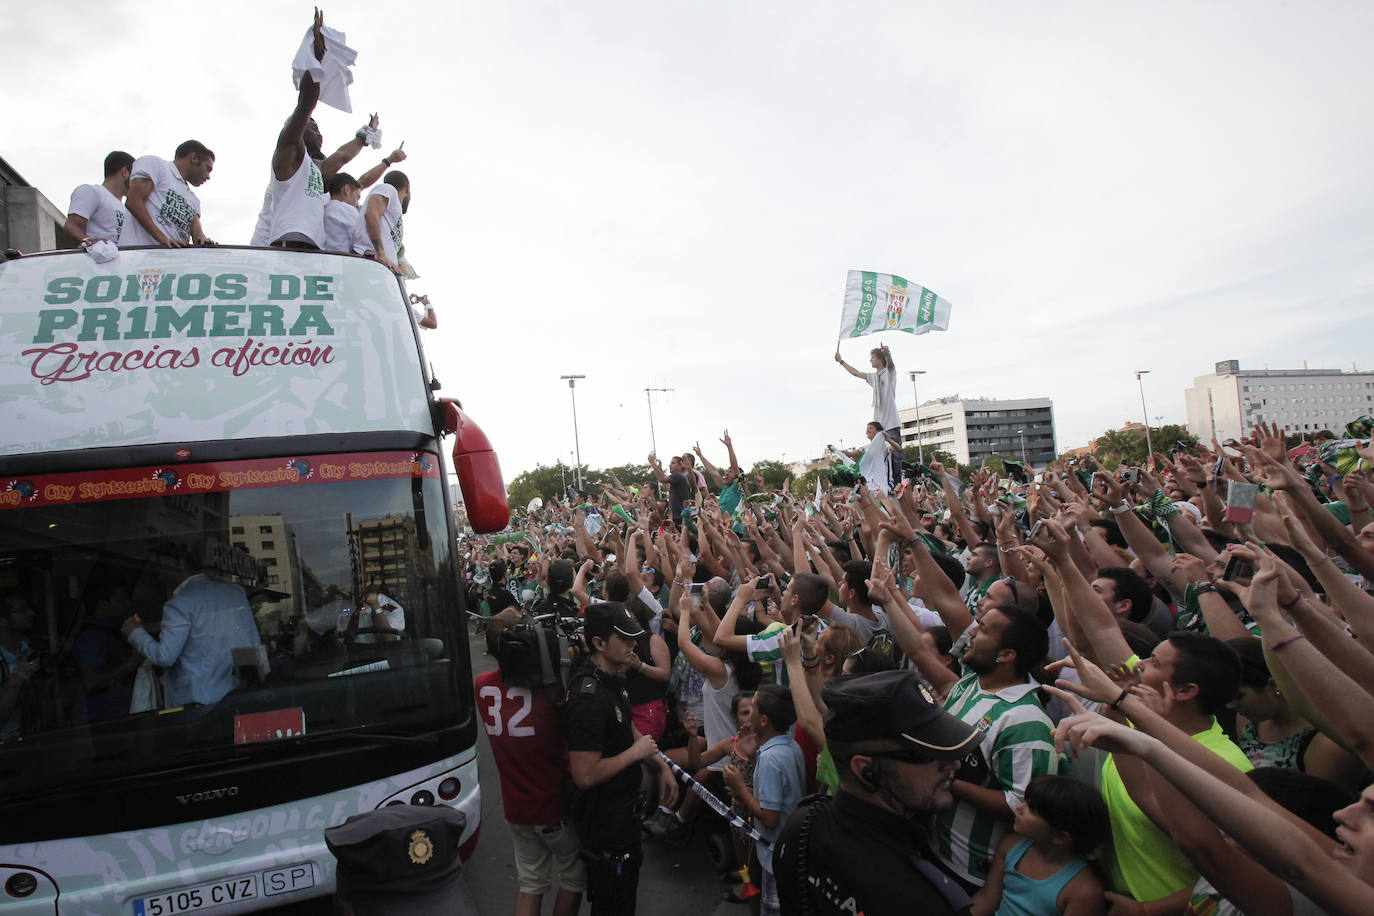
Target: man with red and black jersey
[[531, 754]]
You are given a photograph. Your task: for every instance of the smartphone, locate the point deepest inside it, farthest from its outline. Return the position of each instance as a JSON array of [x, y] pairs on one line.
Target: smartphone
[[696, 588], [765, 582], [1237, 568], [1035, 529], [1131, 475]]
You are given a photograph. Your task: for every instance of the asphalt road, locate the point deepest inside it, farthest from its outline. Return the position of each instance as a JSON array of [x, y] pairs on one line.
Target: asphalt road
[[673, 882]]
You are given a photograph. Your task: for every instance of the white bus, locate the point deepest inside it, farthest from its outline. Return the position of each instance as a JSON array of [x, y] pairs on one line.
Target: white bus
[[236, 451]]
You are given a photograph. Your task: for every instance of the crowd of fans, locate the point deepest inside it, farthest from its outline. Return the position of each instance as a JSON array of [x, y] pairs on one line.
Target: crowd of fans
[[1084, 691]]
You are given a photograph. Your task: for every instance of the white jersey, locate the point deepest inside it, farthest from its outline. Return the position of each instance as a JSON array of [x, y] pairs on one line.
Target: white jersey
[[344, 229], [298, 205], [884, 383], [104, 213], [262, 230], [873, 464], [391, 219], [172, 204]]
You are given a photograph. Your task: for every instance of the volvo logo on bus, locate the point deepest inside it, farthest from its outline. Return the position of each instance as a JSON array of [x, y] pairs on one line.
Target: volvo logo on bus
[[209, 795]]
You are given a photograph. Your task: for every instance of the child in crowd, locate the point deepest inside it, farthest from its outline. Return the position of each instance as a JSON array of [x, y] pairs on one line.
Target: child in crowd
[[779, 778], [739, 750], [1040, 868]]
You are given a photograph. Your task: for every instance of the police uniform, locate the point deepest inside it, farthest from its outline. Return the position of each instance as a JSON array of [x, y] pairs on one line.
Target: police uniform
[[845, 855], [607, 815]]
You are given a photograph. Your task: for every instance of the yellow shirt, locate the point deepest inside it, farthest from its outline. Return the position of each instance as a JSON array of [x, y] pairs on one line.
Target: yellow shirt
[[1146, 864]]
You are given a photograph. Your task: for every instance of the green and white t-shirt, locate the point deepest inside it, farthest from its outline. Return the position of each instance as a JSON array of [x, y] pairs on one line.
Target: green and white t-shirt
[[1017, 743], [172, 204]]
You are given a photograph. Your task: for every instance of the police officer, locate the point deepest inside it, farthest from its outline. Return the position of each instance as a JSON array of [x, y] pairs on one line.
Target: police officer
[[896, 751], [604, 752]]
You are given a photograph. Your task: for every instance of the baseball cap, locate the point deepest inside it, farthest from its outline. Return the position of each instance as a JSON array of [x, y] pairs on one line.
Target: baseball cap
[[612, 616], [560, 576], [402, 859], [896, 706]]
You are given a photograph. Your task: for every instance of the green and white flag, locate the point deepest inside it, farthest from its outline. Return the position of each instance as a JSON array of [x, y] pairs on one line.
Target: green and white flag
[[885, 302]]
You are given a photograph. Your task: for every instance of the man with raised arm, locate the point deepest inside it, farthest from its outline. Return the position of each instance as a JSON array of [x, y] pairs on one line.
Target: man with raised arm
[[300, 170], [97, 211]]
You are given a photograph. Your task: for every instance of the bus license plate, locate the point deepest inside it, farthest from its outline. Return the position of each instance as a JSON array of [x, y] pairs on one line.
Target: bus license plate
[[230, 890]]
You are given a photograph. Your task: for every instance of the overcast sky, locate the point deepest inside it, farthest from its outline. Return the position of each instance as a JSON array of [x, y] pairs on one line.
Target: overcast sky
[[670, 194]]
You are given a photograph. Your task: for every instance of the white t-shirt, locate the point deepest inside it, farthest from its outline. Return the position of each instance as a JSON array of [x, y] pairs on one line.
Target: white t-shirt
[[298, 205], [262, 230], [873, 464], [172, 204], [884, 383], [392, 233], [388, 615], [344, 229], [104, 213]]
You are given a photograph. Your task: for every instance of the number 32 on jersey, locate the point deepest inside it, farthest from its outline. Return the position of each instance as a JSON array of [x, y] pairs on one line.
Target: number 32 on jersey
[[501, 715]]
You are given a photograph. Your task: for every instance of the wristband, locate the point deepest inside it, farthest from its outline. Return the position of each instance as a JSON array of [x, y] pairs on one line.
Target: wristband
[[370, 136], [1121, 509], [1203, 587], [1121, 699], [1295, 602], [1274, 647], [386, 162]]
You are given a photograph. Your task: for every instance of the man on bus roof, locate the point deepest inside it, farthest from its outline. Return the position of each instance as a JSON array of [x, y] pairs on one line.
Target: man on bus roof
[[97, 211], [165, 210], [300, 170]]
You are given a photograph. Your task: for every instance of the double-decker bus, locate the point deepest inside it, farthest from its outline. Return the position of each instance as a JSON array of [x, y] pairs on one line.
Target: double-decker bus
[[236, 452]]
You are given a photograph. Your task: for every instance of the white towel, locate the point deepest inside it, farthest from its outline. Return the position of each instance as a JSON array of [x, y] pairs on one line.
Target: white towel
[[332, 73]]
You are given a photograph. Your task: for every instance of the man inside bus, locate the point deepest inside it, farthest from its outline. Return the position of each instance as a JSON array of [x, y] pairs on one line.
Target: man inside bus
[[205, 620], [384, 618], [17, 663], [106, 661]]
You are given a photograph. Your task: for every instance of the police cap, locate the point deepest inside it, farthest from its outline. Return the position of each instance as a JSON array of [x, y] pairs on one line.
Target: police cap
[[896, 706]]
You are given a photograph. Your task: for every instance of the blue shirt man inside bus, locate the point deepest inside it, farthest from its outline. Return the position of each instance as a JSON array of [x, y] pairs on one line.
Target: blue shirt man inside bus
[[201, 626]]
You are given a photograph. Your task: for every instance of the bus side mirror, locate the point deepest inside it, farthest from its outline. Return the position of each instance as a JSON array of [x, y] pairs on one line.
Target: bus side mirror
[[479, 473]]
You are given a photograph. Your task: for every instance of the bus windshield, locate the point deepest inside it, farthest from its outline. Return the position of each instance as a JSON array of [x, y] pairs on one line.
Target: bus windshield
[[242, 607]]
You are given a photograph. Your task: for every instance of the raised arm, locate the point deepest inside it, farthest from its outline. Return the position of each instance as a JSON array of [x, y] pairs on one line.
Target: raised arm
[[848, 368], [290, 149], [710, 469], [371, 176], [1091, 614]]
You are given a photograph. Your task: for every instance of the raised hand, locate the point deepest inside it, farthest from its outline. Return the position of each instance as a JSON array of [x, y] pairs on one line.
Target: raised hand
[[317, 33]]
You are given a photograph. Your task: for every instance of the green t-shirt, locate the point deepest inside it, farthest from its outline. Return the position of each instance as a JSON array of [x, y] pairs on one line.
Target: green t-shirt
[[729, 498], [1146, 864]]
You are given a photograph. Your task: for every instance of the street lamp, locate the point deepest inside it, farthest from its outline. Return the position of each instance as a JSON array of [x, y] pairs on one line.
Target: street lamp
[[1022, 434], [1149, 448], [653, 441], [572, 389], [920, 451]]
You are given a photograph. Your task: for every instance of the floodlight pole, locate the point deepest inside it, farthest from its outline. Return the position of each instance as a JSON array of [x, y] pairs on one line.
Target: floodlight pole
[[577, 444], [1149, 447], [648, 397], [920, 450]]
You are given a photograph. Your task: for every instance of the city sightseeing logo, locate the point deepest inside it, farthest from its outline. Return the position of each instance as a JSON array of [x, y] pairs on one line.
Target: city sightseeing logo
[[170, 479], [302, 468], [25, 488], [423, 462]]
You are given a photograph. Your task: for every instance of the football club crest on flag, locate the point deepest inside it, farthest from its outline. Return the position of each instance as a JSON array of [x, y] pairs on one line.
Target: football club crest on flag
[[886, 302]]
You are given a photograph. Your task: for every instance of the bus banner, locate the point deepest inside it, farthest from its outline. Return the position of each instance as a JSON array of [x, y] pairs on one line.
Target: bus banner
[[210, 477], [202, 344]]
